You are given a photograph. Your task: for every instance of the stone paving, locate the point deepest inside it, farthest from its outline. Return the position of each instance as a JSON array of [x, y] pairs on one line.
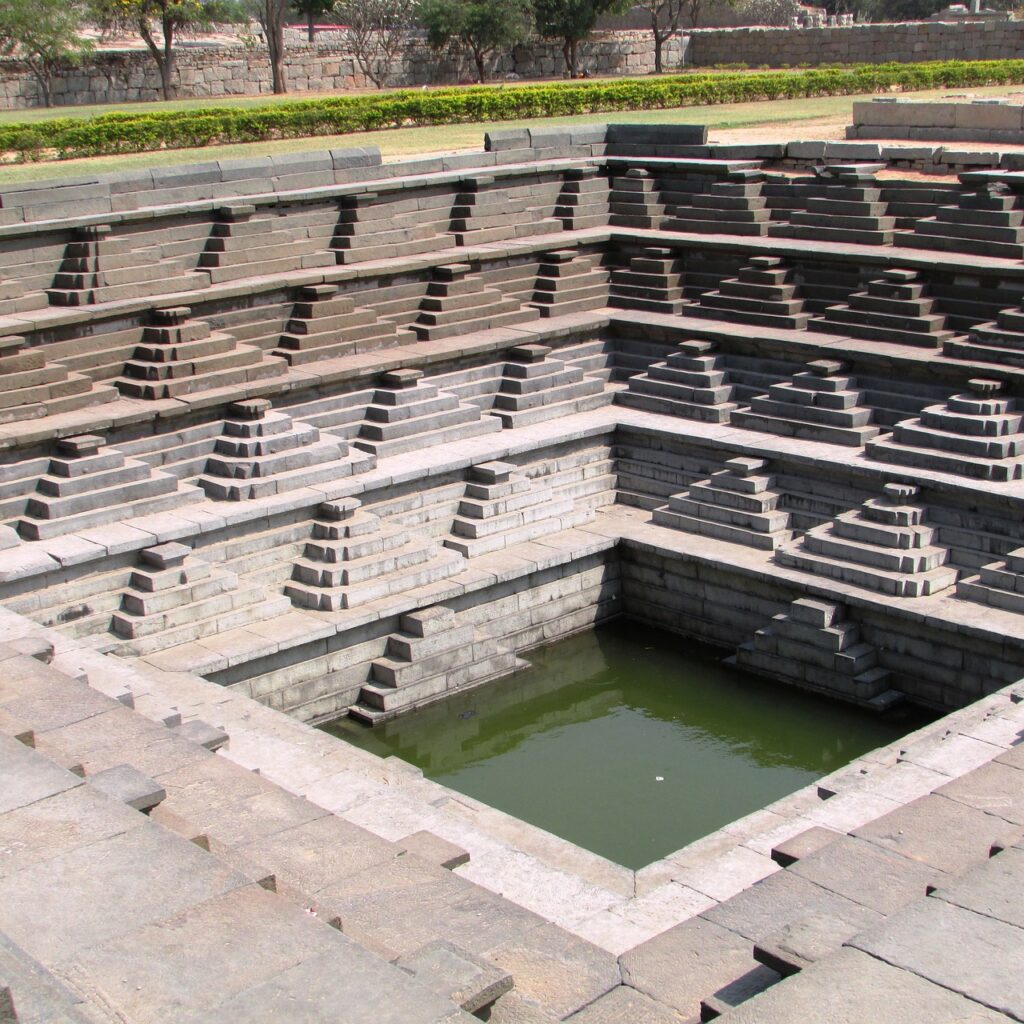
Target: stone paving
[[270, 445]]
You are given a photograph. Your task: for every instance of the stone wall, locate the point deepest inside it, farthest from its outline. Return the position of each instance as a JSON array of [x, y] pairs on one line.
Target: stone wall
[[856, 44], [110, 77]]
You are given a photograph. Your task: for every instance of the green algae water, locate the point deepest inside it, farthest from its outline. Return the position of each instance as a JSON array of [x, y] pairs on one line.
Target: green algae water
[[629, 741]]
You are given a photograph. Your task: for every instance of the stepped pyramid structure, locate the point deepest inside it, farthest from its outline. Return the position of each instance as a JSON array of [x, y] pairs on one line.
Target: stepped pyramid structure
[[885, 545], [999, 341], [174, 597], [812, 645], [822, 403], [488, 210], [89, 484], [999, 584], [503, 507], [535, 387], [763, 293], [458, 302], [432, 654], [325, 325], [376, 227], [734, 206], [635, 201], [262, 452], [987, 221], [15, 298], [692, 382], [244, 243], [739, 503], [653, 282], [895, 307], [181, 356], [407, 413], [569, 281], [354, 557], [977, 434], [100, 268], [31, 387], [584, 199], [844, 205]]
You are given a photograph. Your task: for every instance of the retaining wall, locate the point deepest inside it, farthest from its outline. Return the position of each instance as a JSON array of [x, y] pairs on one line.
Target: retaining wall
[[857, 44], [123, 77]]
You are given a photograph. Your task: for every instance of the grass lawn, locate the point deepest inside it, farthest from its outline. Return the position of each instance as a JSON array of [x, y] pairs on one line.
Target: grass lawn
[[403, 142]]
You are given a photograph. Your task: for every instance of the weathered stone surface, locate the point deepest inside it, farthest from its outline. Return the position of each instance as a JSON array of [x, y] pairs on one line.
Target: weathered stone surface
[[982, 963], [686, 963], [468, 981], [866, 874], [625, 1004], [995, 889], [851, 988], [938, 832]]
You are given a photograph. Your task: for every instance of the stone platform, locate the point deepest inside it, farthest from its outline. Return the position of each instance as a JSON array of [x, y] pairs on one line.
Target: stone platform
[[279, 448]]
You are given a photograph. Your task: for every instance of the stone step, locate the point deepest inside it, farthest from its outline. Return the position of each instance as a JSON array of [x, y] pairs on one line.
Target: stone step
[[439, 567], [889, 449], [248, 615], [567, 518], [720, 413], [446, 434], [595, 399], [402, 554], [771, 424], [974, 247], [379, 704], [706, 523]]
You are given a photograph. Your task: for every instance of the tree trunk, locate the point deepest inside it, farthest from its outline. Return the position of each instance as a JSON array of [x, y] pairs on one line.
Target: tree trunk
[[43, 76], [658, 43], [573, 65], [275, 44], [310, 27], [478, 57], [169, 67]]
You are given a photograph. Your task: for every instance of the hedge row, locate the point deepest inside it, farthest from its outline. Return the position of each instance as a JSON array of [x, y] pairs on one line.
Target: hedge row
[[65, 138]]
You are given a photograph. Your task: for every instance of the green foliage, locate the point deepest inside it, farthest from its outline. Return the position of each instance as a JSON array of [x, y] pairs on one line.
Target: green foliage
[[480, 26], [571, 21], [127, 132], [42, 33]]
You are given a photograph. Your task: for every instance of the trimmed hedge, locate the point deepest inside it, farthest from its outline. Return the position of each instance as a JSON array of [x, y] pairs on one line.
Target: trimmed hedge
[[65, 138]]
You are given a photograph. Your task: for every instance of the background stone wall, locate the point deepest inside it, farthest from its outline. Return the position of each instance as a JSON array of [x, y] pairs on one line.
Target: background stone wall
[[857, 44], [115, 77]]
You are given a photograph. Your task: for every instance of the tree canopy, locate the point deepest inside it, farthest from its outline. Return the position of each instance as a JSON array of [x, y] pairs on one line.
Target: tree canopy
[[44, 34], [482, 27], [571, 21]]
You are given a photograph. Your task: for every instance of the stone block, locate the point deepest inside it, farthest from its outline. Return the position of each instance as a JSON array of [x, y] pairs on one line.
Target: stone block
[[982, 963], [468, 981], [853, 988], [791, 850], [203, 734], [434, 849], [131, 787]]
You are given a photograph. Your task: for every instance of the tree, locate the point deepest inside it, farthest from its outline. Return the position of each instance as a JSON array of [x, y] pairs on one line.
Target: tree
[[665, 17], [43, 34], [376, 32], [272, 16], [571, 21], [159, 23], [480, 26], [311, 10]]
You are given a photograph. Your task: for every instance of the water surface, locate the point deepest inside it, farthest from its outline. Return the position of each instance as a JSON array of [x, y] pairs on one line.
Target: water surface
[[630, 741]]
